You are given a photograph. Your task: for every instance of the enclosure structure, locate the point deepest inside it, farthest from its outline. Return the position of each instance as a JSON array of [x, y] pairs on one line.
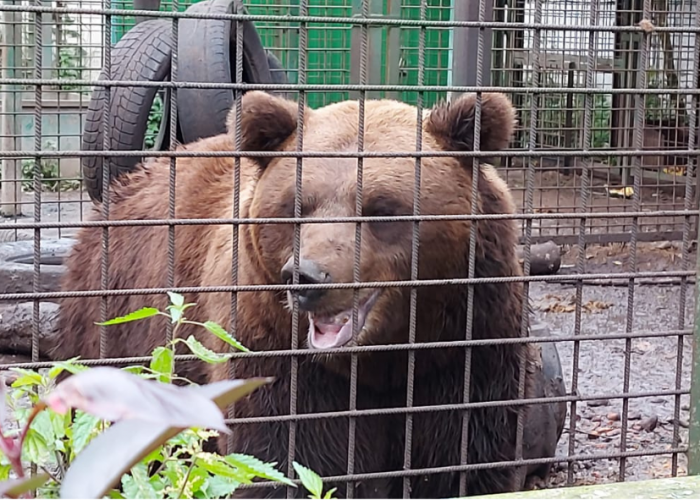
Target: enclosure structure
[[603, 163]]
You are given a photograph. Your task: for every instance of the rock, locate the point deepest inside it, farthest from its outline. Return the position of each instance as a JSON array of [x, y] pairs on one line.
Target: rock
[[16, 326], [17, 265], [545, 258], [683, 423], [598, 402], [685, 407], [614, 417], [658, 400], [6, 359], [649, 424], [634, 415]]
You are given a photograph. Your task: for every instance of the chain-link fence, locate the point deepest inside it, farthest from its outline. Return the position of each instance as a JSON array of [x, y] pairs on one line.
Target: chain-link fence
[[601, 166]]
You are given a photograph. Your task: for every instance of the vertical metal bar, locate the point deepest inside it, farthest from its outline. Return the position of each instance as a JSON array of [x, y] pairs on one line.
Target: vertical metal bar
[[688, 203], [352, 423], [528, 209], [415, 247], [104, 263], [38, 115], [172, 178], [238, 126], [303, 35], [636, 203], [469, 326], [584, 208]]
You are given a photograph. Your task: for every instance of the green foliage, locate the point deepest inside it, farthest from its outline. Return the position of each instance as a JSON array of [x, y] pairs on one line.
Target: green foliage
[[312, 482], [50, 437], [50, 173], [155, 117]]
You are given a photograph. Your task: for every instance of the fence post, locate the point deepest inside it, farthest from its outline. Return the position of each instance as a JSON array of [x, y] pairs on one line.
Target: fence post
[[694, 431], [10, 187]]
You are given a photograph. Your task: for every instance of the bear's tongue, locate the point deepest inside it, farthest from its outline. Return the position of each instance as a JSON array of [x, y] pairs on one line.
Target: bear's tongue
[[329, 332]]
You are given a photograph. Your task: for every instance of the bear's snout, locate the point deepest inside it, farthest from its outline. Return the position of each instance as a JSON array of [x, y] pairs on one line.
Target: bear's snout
[[310, 273]]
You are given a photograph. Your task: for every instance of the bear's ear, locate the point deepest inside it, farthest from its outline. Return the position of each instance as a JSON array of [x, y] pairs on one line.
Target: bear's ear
[[266, 122], [452, 123]]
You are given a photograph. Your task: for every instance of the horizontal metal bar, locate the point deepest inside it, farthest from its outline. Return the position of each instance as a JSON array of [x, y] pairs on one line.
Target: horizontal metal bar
[[349, 220], [453, 407], [340, 286], [456, 344], [345, 87], [513, 153], [359, 21], [483, 466]]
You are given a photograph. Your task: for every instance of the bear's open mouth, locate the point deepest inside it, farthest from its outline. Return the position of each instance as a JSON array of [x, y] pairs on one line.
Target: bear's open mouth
[[327, 332]]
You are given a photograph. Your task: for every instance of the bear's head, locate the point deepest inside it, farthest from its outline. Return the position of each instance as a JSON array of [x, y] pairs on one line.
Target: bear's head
[[328, 188]]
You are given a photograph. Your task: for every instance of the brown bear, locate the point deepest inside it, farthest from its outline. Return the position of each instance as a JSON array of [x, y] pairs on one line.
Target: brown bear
[[206, 189]]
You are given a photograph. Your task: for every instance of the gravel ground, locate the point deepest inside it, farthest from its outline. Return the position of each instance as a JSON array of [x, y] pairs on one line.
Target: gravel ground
[[652, 364], [601, 364]]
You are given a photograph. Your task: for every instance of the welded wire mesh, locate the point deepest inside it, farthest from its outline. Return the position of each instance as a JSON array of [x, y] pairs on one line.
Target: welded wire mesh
[[603, 163]]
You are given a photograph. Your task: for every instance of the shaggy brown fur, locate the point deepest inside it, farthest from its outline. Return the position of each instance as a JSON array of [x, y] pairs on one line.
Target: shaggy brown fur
[[205, 189]]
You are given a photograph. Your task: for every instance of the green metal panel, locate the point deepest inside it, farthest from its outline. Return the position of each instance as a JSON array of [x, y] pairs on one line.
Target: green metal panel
[[329, 47]]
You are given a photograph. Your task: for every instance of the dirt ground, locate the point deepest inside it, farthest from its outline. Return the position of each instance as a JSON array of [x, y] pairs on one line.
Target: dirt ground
[[653, 362]]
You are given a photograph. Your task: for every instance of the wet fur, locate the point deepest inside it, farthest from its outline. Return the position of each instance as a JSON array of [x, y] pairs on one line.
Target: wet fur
[[205, 188]]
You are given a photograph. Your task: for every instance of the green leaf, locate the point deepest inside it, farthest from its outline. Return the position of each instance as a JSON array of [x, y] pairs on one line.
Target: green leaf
[[137, 485], [257, 467], [84, 426], [115, 494], [136, 369], [44, 427], [309, 479], [17, 487], [328, 494], [163, 363], [59, 424], [69, 366], [28, 378], [5, 472], [143, 313], [34, 448], [217, 486], [176, 314], [216, 465], [203, 353], [224, 335], [176, 299]]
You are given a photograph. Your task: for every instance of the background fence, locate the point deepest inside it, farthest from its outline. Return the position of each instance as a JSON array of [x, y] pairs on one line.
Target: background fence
[[603, 162]]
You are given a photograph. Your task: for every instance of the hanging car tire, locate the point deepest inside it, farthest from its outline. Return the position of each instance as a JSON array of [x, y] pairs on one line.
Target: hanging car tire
[[142, 54], [207, 54], [279, 75]]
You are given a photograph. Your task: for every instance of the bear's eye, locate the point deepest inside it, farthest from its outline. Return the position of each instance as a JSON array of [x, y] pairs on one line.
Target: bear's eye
[[387, 207], [382, 206]]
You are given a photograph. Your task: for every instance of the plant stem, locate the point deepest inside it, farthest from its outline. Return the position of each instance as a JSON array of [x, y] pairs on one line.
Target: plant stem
[[187, 478]]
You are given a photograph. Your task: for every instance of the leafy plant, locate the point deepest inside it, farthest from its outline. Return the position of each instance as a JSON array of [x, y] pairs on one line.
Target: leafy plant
[[50, 173], [132, 427], [312, 482], [155, 117]]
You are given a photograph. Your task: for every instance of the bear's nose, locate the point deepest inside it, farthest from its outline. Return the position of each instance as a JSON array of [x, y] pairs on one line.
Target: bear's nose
[[309, 273]]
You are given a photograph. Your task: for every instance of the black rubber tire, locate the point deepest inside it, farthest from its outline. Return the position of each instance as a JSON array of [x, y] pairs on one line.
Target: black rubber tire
[[206, 54], [143, 54], [279, 76], [277, 72]]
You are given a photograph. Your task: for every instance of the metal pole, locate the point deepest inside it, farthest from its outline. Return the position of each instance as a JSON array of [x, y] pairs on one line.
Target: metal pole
[[10, 187], [464, 62], [145, 5]]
